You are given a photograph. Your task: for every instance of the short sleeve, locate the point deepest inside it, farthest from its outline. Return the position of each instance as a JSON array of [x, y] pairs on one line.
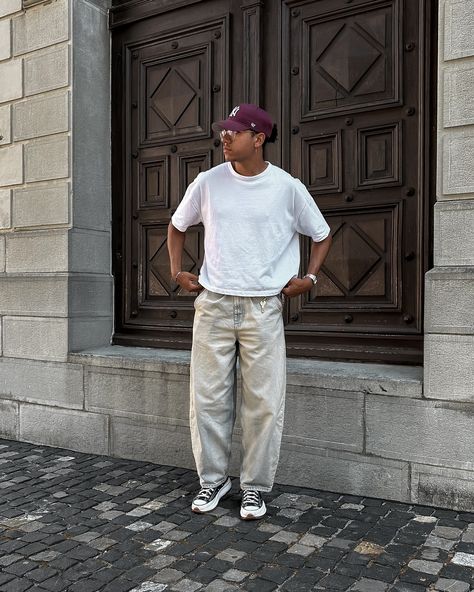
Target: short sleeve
[[309, 221], [188, 212]]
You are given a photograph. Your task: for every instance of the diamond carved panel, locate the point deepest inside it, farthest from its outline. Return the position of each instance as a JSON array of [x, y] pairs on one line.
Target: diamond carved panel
[[176, 96], [359, 268], [352, 60]]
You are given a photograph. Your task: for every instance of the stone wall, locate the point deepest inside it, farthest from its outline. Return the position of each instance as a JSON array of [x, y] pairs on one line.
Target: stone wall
[[55, 218]]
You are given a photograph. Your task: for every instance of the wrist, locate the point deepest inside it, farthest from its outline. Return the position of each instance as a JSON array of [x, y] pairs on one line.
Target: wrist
[[175, 275]]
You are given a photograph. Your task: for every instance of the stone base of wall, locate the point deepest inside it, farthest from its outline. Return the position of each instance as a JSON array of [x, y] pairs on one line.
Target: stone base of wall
[[351, 428]]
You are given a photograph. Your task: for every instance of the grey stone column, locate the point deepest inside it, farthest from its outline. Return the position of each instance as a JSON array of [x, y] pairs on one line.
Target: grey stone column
[[449, 307]]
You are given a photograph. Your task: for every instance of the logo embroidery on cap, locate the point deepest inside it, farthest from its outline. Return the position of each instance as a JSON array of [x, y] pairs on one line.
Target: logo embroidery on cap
[[233, 113], [253, 124]]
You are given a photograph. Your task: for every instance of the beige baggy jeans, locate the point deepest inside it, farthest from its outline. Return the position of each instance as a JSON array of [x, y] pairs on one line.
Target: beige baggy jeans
[[251, 327]]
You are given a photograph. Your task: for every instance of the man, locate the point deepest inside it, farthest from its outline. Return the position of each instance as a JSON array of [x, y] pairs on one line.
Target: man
[[252, 212]]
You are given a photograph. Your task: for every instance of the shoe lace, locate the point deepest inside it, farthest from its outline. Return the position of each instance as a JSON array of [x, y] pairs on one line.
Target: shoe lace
[[251, 498], [205, 494]]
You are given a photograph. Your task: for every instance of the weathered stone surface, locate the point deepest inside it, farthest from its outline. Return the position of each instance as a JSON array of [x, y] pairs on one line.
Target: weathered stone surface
[[454, 239], [5, 39], [2, 254], [46, 70], [41, 116], [458, 39], [310, 413], [449, 294], [41, 26], [5, 208], [9, 7], [434, 432], [91, 138], [40, 206], [64, 428], [449, 360], [5, 124], [457, 153], [11, 77], [155, 442], [92, 332], [45, 295], [47, 159], [46, 383], [37, 251], [35, 338], [159, 394], [90, 251], [343, 471], [11, 165], [8, 420], [458, 95], [90, 295]]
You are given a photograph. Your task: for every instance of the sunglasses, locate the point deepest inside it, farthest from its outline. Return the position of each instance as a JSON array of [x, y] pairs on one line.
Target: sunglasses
[[230, 135]]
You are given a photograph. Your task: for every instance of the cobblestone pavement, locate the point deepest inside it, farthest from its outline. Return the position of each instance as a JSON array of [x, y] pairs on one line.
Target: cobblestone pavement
[[80, 523]]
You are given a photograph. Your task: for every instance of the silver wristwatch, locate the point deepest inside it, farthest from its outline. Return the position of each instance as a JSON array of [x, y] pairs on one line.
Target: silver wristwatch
[[312, 277]]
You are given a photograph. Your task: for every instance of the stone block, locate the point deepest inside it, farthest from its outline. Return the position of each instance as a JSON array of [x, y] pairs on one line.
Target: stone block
[[449, 294], [91, 138], [11, 165], [2, 254], [41, 26], [40, 206], [38, 295], [5, 125], [458, 100], [5, 39], [47, 159], [387, 379], [90, 251], [35, 338], [90, 295], [64, 428], [453, 236], [41, 116], [9, 414], [324, 418], [449, 363], [333, 470], [163, 395], [88, 333], [45, 383], [46, 70], [9, 7], [37, 251], [457, 156], [154, 442], [429, 432], [12, 80], [5, 208], [441, 487], [458, 38]]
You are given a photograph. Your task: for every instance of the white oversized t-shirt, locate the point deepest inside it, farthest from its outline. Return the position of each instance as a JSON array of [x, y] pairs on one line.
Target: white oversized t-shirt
[[251, 227]]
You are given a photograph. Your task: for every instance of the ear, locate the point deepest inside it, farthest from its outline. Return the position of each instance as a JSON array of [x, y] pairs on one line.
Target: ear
[[259, 140]]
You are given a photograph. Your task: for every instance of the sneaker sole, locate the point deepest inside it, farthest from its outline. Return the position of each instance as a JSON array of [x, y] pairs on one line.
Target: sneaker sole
[[215, 502], [253, 516]]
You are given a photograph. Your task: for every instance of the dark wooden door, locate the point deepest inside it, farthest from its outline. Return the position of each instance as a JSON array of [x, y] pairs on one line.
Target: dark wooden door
[[348, 85]]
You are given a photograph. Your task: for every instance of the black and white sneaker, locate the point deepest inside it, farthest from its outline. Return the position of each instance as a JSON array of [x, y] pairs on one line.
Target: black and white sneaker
[[252, 506], [208, 497]]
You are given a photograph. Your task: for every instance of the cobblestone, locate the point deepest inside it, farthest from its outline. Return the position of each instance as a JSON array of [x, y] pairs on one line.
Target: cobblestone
[[72, 522]]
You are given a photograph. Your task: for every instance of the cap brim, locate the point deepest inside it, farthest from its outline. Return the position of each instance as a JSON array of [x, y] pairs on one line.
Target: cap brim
[[229, 124]]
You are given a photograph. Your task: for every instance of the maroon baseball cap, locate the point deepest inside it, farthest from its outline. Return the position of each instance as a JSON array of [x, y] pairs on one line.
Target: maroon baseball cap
[[246, 117]]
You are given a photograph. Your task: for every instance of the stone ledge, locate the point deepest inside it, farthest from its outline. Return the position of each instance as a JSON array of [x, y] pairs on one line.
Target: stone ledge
[[365, 378]]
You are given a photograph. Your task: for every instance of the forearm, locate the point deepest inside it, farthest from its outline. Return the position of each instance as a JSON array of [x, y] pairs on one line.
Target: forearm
[[176, 240], [318, 254]]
